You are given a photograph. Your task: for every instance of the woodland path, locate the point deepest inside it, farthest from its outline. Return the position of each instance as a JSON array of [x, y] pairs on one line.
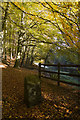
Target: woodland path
[[59, 102]]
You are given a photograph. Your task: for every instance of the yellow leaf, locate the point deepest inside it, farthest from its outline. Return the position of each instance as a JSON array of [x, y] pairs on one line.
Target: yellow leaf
[[67, 111], [55, 105], [10, 116], [47, 116], [21, 116]]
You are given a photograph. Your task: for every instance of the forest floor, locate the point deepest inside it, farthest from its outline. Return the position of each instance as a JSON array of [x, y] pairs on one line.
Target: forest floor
[[59, 103]]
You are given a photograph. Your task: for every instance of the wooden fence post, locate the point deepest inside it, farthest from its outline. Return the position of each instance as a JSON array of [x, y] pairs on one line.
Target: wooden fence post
[[39, 70], [58, 74]]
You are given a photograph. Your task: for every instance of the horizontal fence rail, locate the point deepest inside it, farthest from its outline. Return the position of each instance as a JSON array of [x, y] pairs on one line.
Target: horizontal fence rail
[[59, 66]]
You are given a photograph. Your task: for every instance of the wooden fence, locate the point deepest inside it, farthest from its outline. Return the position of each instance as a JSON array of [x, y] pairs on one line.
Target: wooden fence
[[42, 69]]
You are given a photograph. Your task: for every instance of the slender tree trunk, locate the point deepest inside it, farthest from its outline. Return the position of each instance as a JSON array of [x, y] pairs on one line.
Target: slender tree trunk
[[10, 56], [5, 54], [5, 16], [27, 59], [19, 42], [32, 58], [46, 58], [23, 56]]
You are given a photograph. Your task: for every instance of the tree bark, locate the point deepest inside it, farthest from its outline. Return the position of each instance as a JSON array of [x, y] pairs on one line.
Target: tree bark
[[32, 58], [5, 17], [27, 59], [23, 57]]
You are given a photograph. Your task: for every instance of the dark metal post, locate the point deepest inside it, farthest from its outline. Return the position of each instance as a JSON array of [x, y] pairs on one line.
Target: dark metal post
[[58, 74]]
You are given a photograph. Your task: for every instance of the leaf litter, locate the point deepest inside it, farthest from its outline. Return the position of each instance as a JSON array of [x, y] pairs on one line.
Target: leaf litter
[[59, 102]]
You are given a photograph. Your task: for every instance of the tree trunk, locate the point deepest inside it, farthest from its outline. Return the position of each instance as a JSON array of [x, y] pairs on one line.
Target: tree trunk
[[46, 58], [5, 16], [27, 59], [32, 58], [10, 56], [23, 57], [5, 54]]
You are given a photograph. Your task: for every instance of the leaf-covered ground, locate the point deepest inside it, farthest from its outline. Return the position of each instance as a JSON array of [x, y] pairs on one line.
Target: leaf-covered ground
[[59, 103]]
